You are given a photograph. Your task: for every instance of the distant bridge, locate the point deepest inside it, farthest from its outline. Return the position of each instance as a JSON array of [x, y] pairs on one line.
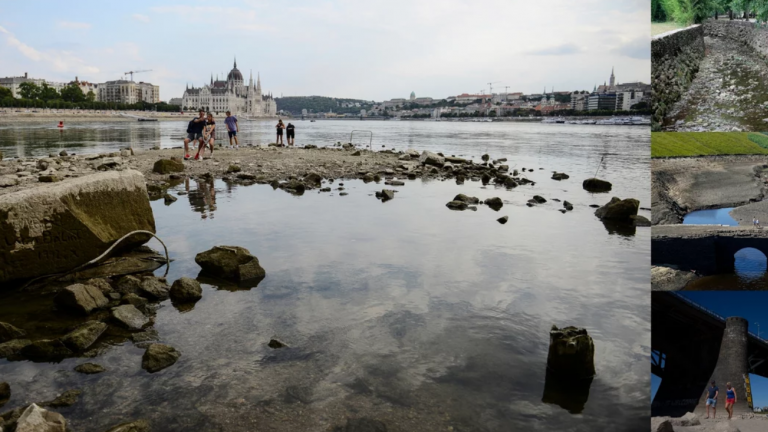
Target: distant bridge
[[708, 249], [691, 346]]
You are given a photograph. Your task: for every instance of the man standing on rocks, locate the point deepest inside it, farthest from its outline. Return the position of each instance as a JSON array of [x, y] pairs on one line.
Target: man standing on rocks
[[232, 129], [712, 393], [289, 130], [195, 133]]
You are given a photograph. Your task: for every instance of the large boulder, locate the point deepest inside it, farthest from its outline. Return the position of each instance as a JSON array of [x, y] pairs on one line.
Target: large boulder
[[158, 357], [84, 336], [233, 263], [661, 424], [53, 229], [36, 419], [186, 290], [494, 203], [167, 166], [81, 298], [8, 332], [12, 347], [134, 426], [429, 158], [571, 353], [596, 185], [618, 210], [129, 317]]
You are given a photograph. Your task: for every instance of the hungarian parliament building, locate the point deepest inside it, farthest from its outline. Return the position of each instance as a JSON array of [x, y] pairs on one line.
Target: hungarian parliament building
[[231, 95]]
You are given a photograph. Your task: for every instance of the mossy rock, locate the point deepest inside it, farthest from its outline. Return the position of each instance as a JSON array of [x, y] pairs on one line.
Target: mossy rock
[[167, 166]]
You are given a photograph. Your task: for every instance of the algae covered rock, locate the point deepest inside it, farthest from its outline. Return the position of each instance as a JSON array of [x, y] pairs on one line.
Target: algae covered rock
[[571, 353], [185, 290], [158, 357], [233, 263], [81, 298], [596, 185], [90, 368], [84, 336], [54, 229], [618, 210], [167, 166], [129, 317], [36, 419], [8, 332]]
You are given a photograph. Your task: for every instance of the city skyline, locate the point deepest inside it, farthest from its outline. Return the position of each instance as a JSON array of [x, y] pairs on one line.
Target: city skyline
[[339, 49]]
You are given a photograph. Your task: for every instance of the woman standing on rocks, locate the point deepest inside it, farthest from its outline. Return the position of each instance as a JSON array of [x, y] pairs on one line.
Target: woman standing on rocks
[[280, 126]]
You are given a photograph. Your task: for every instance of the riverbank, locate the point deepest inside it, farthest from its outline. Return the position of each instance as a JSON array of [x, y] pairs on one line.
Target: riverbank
[[19, 115], [682, 185]]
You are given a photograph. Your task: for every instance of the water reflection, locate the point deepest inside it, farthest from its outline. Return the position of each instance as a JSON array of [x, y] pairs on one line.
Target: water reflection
[[202, 198], [571, 395]]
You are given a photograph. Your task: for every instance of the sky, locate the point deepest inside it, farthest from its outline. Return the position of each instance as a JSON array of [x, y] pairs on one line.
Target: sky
[[372, 50], [746, 304]]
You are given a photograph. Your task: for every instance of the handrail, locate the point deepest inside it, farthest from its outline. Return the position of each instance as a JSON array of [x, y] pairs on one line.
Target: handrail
[[713, 314]]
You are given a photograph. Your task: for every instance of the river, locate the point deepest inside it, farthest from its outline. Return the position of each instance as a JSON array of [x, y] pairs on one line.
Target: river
[[403, 311]]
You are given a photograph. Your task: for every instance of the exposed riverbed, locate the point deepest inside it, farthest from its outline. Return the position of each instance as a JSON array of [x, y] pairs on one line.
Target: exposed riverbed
[[404, 311]]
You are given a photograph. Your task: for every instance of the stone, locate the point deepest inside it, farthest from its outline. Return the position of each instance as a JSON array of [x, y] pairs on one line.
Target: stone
[[8, 332], [134, 299], [455, 160], [90, 369], [234, 169], [68, 398], [485, 157], [80, 298], [109, 163], [12, 347], [510, 182], [640, 221], [494, 203], [233, 263], [43, 226], [618, 209], [63, 153], [725, 427], [412, 153], [568, 206], [560, 176], [503, 168], [100, 283], [275, 344], [47, 178], [154, 288], [167, 166], [5, 393], [539, 199], [8, 181], [134, 426], [158, 357], [186, 290], [395, 183], [660, 424], [385, 195], [169, 199], [457, 205], [596, 185], [36, 419], [429, 158], [313, 179], [466, 199], [502, 220], [128, 285], [356, 153], [571, 353], [129, 317], [46, 350], [84, 336], [405, 157], [689, 419]]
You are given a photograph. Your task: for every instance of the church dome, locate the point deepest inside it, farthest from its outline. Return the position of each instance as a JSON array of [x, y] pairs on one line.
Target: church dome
[[234, 74]]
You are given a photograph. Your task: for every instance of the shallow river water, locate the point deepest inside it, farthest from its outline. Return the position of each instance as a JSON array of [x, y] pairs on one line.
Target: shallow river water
[[403, 311]]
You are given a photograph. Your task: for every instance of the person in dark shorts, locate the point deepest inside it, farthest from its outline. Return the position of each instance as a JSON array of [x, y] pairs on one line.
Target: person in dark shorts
[[289, 133], [232, 129], [279, 126], [209, 137], [712, 393], [194, 132]]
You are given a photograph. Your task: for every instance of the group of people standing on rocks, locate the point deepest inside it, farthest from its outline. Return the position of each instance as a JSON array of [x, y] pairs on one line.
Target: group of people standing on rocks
[[730, 398], [203, 130], [756, 222]]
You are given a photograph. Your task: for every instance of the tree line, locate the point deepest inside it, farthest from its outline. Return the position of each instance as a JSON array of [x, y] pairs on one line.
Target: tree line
[[687, 12], [70, 97]]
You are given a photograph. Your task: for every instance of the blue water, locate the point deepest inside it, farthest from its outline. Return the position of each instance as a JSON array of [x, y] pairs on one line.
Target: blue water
[[710, 217]]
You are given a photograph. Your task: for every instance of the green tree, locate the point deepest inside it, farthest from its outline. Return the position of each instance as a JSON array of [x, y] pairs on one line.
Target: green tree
[[91, 96], [47, 93], [5, 92], [72, 93], [29, 90]]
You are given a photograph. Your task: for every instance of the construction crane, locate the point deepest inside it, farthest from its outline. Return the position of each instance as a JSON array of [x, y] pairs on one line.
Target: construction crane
[[490, 86], [133, 72]]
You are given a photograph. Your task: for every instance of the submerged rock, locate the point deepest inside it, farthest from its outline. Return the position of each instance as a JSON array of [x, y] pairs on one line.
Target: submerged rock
[[81, 298], [169, 199], [571, 353], [560, 176], [494, 203], [457, 205], [274, 344], [8, 332], [68, 398], [167, 166], [134, 426], [90, 368], [12, 347], [5, 393], [129, 317], [36, 419], [466, 199], [52, 350], [84, 336], [233, 263], [158, 357], [502, 220], [618, 209], [186, 290], [640, 221], [596, 185], [57, 228], [539, 199], [385, 195]]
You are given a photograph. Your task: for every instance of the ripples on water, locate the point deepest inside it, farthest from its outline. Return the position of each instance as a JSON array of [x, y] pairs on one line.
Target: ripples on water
[[402, 311]]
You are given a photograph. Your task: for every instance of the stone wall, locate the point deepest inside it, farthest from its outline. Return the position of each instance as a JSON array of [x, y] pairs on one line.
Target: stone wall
[[675, 59], [740, 31]]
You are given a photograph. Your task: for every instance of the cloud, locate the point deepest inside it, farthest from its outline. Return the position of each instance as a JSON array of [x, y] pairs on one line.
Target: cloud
[[563, 49], [639, 48], [140, 17], [71, 25], [62, 61]]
